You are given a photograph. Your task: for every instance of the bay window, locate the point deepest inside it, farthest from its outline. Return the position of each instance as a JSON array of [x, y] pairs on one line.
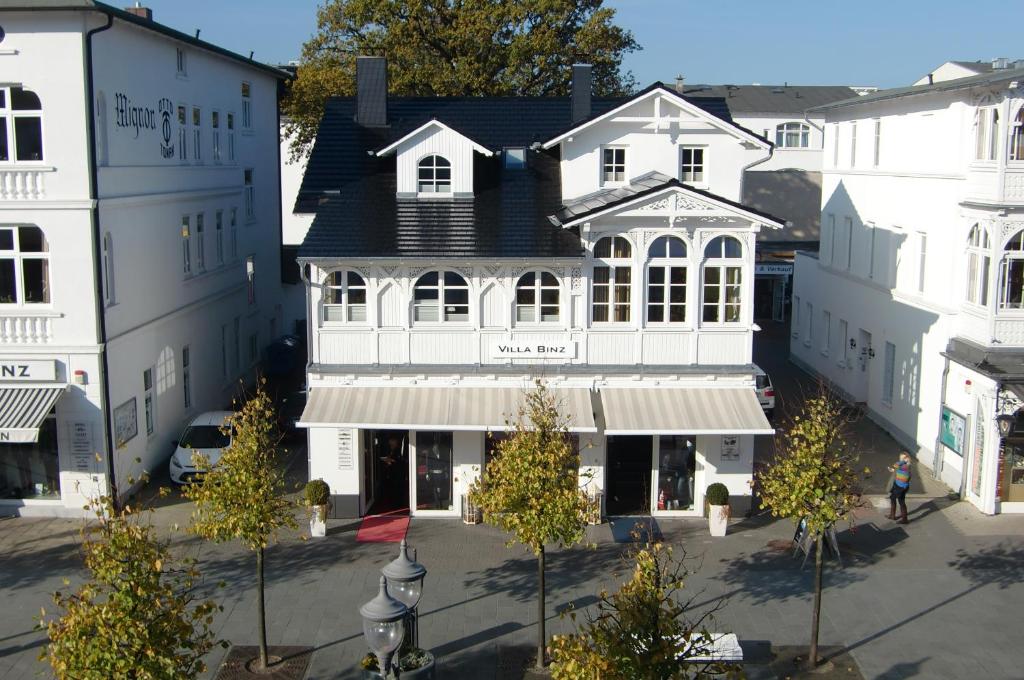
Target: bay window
[[537, 297], [344, 297], [979, 260], [612, 280], [722, 275], [666, 281], [1011, 278]]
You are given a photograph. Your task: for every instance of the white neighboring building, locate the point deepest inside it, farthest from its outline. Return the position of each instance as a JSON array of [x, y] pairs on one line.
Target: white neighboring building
[[139, 255], [915, 304], [294, 226], [464, 247], [952, 70]]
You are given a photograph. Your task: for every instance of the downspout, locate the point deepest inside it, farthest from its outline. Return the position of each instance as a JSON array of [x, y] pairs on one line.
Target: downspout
[[101, 321]]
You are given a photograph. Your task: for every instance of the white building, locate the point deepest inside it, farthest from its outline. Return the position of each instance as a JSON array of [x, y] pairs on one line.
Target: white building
[[139, 243], [913, 306], [463, 248], [952, 70]]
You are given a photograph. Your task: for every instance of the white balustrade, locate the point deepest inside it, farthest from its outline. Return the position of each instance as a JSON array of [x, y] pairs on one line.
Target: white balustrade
[[26, 330], [23, 184]]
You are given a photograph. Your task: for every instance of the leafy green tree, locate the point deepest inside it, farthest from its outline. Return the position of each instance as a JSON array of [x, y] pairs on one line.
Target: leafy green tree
[[456, 48], [242, 495], [812, 477], [642, 631], [532, 487], [137, 616]]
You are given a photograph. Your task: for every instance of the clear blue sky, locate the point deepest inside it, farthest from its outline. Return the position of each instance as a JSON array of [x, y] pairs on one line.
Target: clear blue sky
[[886, 43]]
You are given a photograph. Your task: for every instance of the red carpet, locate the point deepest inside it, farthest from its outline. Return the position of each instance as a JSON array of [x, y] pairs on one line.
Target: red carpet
[[387, 528]]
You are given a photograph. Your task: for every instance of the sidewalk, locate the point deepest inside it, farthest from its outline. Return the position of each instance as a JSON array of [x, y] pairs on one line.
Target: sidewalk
[[916, 600]]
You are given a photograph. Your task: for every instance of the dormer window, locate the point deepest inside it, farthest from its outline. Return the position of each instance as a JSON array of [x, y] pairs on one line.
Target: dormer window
[[613, 164], [434, 175]]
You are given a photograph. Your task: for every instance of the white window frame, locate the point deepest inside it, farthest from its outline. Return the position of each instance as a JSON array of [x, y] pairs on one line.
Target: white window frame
[[434, 185], [876, 157], [986, 133], [844, 337], [440, 303], [197, 134], [617, 266], [835, 145], [246, 106], [979, 265], [1016, 151], [181, 114], [725, 266], [666, 264], [831, 239], [853, 144], [694, 172], [215, 126], [19, 257], [149, 401], [348, 312], [1012, 257], [614, 166], [186, 244], [182, 63], [8, 119], [543, 282], [790, 130]]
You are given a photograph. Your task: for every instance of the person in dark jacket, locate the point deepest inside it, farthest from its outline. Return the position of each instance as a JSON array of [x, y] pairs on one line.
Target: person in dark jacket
[[900, 485]]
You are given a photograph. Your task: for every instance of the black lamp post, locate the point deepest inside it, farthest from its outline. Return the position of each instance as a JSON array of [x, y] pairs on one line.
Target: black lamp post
[[383, 627], [405, 581], [1005, 423]]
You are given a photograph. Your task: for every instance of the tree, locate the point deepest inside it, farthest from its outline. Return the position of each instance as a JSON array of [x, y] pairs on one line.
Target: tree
[[532, 487], [241, 495], [138, 614], [642, 631], [812, 478], [456, 48]]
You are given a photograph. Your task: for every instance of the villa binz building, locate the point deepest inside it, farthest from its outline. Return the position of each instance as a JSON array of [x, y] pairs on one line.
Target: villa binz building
[[139, 243], [463, 248]]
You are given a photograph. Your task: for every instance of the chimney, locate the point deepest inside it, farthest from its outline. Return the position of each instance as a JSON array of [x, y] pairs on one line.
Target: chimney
[[140, 11], [372, 91], [931, 78], [581, 87], [679, 83], [1000, 63]]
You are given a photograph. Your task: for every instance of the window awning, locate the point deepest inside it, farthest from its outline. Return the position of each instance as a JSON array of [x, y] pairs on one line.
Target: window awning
[[674, 410], [22, 410], [435, 408]]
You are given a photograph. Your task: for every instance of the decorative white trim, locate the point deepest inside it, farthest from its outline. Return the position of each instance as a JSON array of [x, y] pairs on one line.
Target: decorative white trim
[[431, 123]]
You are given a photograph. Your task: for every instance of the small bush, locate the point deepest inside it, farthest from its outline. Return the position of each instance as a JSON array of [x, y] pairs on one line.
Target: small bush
[[317, 492], [718, 494]]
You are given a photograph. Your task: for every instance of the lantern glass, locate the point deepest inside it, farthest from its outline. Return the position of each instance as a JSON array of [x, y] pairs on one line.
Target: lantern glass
[[384, 637], [406, 592]]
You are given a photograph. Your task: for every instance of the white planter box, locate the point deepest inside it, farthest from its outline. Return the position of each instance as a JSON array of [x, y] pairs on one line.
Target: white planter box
[[718, 519]]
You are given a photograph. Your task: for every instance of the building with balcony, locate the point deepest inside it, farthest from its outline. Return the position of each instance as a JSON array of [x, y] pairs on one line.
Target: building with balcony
[[913, 305], [463, 248], [139, 243]]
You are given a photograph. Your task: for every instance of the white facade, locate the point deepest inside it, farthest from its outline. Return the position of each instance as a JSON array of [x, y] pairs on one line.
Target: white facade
[[918, 221], [788, 133], [186, 202], [379, 330]]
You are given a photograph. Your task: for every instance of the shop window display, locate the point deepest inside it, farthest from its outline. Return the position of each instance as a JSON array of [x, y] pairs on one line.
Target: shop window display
[[434, 470], [677, 459], [32, 470]]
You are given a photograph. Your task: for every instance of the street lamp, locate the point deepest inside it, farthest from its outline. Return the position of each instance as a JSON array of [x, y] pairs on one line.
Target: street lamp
[[405, 580], [383, 618]]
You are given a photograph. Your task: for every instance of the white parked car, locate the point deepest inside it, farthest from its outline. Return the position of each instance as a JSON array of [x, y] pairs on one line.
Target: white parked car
[[205, 435], [765, 391]]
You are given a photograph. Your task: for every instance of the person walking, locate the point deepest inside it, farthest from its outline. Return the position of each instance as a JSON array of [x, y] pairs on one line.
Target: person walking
[[900, 485]]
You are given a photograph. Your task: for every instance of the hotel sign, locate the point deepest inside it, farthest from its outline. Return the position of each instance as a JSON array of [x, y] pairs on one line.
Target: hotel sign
[[28, 371], [562, 350]]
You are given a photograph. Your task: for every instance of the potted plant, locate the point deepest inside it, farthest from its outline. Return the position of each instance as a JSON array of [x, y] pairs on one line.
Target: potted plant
[[413, 664], [318, 498], [717, 497]]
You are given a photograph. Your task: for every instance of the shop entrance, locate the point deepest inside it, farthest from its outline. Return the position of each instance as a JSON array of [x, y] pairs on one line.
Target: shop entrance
[[1013, 464], [628, 475], [386, 471]]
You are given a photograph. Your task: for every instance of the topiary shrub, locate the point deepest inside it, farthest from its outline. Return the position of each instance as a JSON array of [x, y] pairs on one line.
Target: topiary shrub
[[317, 493], [717, 494]]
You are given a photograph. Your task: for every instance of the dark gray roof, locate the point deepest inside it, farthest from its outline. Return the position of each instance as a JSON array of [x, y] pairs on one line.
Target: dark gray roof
[[772, 99], [76, 5], [506, 217], [794, 195], [1000, 364], [982, 80]]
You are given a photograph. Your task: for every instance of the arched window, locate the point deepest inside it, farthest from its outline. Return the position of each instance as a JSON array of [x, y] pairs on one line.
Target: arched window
[[344, 297], [21, 132], [666, 281], [1011, 278], [440, 296], [792, 135], [24, 266], [613, 276], [723, 279], [537, 297], [435, 175], [979, 259], [1017, 137]]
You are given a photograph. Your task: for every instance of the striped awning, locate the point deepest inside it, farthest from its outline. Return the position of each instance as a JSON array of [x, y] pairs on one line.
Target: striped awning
[[22, 410], [435, 408], [673, 410]]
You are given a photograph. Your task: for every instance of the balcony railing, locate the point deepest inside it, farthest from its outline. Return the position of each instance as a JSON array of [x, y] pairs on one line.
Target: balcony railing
[[23, 184], [26, 329]]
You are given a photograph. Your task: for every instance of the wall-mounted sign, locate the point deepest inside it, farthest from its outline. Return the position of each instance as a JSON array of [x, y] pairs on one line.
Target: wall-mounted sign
[[81, 444], [344, 449], [138, 119], [777, 268], [126, 423], [953, 431], [730, 447], [28, 371], [563, 350]]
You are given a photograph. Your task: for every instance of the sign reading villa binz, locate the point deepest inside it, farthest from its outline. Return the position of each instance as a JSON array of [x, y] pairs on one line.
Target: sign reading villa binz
[[562, 350], [28, 370]]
